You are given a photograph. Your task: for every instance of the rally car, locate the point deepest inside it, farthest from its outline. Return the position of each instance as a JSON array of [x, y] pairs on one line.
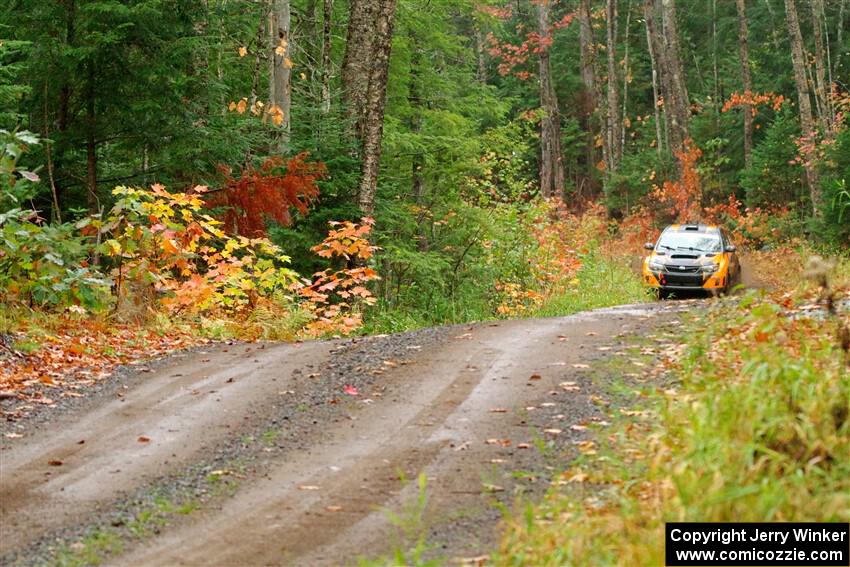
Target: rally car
[[691, 257]]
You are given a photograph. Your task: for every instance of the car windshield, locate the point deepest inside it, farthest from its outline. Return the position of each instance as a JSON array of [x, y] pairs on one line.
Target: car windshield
[[692, 241]]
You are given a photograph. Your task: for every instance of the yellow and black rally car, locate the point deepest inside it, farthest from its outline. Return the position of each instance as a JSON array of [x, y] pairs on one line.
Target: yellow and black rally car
[[691, 257]]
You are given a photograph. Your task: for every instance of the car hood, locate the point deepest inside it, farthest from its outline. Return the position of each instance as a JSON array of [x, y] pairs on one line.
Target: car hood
[[687, 260]]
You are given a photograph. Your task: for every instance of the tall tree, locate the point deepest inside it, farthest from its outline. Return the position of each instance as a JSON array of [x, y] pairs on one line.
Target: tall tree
[[551, 160], [675, 92], [652, 49], [327, 24], [804, 103], [590, 94], [281, 78], [376, 96], [613, 122], [357, 61], [822, 86], [746, 79]]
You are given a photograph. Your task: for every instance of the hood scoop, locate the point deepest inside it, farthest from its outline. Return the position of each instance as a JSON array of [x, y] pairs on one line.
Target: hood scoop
[[689, 256]]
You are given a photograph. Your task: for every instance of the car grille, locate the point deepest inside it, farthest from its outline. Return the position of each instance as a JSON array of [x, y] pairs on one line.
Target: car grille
[[674, 269], [682, 279]]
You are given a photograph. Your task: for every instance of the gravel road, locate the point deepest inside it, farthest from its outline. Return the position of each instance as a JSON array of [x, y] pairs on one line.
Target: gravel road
[[293, 454]]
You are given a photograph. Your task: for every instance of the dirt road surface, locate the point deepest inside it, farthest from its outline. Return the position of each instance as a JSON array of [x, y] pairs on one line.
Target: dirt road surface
[[299, 454]]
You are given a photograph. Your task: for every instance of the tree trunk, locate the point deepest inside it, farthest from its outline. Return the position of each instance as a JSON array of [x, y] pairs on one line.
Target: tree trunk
[[591, 94], [839, 39], [613, 123], [327, 22], [551, 165], [651, 47], [626, 80], [481, 73], [281, 51], [677, 100], [746, 79], [357, 61], [804, 103], [91, 144], [821, 85], [376, 95]]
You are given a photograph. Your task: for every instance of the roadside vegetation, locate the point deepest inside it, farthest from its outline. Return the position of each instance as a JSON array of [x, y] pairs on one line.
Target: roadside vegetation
[[746, 419]]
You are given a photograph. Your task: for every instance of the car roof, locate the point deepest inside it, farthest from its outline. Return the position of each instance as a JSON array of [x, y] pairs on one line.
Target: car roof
[[703, 228]]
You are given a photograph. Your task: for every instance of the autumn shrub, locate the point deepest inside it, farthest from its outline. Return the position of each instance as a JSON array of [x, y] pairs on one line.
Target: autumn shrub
[[165, 242], [335, 295], [269, 192]]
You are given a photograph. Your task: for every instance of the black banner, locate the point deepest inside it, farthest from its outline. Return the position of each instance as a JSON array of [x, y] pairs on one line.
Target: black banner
[[758, 543]]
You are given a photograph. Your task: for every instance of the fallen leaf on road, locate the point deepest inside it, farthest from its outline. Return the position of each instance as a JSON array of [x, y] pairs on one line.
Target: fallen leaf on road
[[13, 435], [54, 463], [580, 365], [308, 487], [390, 363], [493, 487], [535, 377], [577, 427], [499, 410], [143, 439], [333, 508], [552, 431], [350, 390], [591, 333], [548, 404], [523, 446], [569, 386]]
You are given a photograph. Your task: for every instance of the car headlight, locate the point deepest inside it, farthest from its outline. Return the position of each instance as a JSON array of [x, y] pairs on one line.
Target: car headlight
[[656, 266], [709, 268]]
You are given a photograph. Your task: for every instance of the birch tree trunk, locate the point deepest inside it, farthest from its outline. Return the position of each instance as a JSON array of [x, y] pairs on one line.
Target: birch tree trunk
[[551, 165], [746, 79], [804, 103], [281, 54], [613, 123], [592, 95], [821, 85], [376, 94], [327, 22], [651, 47]]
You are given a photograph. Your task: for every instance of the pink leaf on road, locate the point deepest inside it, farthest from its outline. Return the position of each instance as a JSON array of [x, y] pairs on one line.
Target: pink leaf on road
[[350, 390]]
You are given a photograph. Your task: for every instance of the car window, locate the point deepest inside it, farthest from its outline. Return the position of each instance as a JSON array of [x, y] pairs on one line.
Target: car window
[[690, 241]]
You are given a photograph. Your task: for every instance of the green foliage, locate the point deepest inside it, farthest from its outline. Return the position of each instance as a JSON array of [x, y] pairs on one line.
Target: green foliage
[[836, 222], [775, 178]]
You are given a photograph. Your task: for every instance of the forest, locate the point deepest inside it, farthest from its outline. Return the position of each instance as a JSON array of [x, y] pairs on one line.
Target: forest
[[448, 123], [179, 174]]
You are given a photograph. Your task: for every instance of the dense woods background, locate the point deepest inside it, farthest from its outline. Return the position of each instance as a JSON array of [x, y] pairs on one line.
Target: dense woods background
[[442, 119]]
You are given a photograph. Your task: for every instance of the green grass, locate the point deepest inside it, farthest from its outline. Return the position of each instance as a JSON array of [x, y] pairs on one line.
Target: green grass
[[602, 282], [756, 430]]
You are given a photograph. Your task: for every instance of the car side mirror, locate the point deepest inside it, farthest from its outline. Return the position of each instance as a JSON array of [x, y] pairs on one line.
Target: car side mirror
[[731, 248], [649, 246]]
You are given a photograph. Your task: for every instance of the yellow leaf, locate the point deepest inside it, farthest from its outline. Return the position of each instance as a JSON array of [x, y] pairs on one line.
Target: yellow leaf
[[303, 76], [280, 51], [242, 106], [288, 62], [243, 51]]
